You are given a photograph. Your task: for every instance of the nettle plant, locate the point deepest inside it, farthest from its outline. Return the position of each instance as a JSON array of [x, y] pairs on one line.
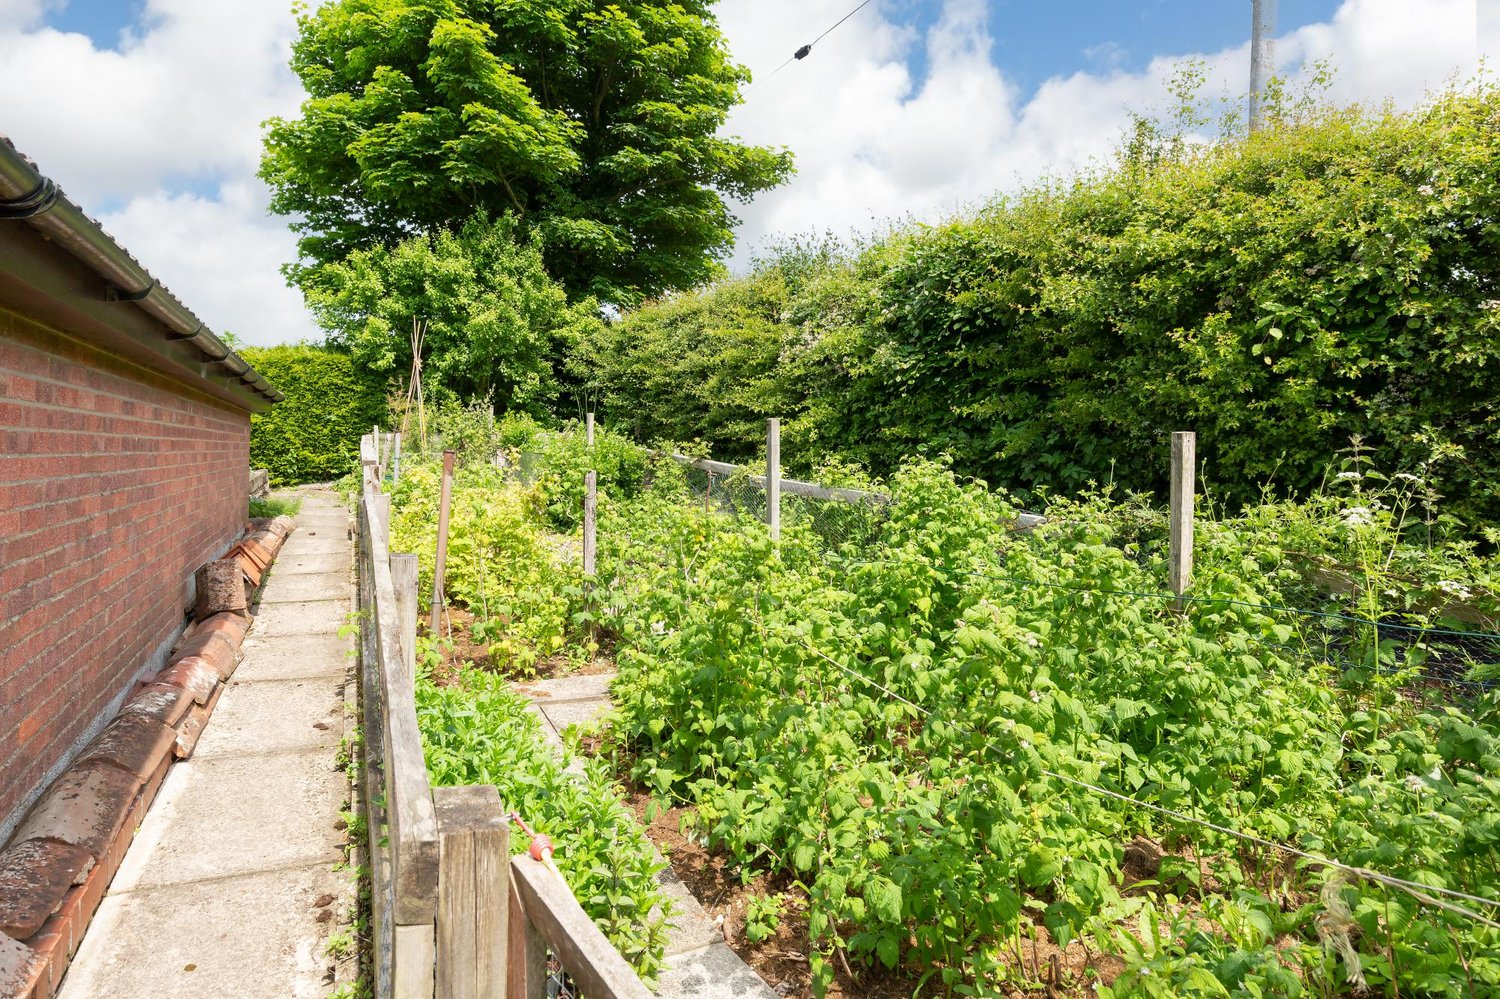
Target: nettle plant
[[904, 728]]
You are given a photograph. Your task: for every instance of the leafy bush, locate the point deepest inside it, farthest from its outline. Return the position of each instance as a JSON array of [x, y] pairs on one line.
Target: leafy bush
[[479, 732], [1325, 279], [313, 434], [903, 727]]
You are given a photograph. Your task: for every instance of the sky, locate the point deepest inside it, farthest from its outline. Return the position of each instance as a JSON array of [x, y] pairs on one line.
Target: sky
[[148, 113]]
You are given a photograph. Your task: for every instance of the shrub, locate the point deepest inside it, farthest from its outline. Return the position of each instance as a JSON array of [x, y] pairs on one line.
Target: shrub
[[313, 434], [1322, 280]]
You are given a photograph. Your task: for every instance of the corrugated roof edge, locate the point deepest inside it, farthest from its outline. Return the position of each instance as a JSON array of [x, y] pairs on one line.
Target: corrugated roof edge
[[26, 193]]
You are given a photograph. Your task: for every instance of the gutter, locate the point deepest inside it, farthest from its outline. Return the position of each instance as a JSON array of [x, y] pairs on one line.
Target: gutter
[[26, 194]]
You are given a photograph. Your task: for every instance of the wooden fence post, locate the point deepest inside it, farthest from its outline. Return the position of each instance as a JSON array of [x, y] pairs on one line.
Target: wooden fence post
[[590, 516], [526, 954], [442, 544], [773, 477], [404, 580], [396, 460], [590, 429], [473, 913], [1184, 457]]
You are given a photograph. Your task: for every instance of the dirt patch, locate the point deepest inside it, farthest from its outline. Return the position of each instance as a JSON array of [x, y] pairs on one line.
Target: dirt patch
[[721, 886], [458, 625]]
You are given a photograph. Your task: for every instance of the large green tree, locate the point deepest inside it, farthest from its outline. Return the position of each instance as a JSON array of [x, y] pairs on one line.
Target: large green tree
[[495, 320], [596, 123]]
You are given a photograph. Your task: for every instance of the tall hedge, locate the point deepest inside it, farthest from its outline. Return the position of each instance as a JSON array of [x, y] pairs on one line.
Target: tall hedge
[[1282, 295], [313, 434]]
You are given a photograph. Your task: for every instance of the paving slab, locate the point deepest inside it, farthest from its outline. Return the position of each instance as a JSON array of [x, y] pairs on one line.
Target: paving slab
[[568, 688], [572, 713], [302, 617], [325, 655], [299, 587], [217, 894], [698, 963], [712, 972], [271, 716], [237, 814], [300, 546], [291, 564], [187, 943]]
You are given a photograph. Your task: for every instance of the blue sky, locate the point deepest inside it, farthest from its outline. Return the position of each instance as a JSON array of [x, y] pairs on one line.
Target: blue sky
[[913, 109], [1032, 40]]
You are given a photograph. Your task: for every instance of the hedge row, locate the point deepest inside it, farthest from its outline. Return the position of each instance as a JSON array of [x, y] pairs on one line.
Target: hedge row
[[1319, 282], [313, 435]]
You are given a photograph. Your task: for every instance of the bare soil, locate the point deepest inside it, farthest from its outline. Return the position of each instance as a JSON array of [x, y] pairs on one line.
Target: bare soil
[[458, 627]]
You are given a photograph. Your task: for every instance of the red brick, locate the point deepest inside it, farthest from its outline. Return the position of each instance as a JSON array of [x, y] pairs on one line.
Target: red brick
[[85, 807], [21, 968], [198, 678], [191, 727], [162, 702], [134, 743], [35, 876]]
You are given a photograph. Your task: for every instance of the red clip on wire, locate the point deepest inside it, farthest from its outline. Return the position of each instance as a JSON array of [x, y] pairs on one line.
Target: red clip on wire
[[541, 846]]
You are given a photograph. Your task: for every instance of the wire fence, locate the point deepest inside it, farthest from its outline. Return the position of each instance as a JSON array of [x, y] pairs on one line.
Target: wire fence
[[846, 522]]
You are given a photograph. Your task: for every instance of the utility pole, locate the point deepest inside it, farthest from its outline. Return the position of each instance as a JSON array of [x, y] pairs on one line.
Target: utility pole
[[1262, 55]]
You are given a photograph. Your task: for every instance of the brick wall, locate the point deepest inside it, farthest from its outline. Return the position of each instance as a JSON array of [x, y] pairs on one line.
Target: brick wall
[[115, 485]]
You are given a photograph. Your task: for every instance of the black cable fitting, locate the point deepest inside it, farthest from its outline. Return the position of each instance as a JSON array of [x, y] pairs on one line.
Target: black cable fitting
[[118, 295], [31, 204]]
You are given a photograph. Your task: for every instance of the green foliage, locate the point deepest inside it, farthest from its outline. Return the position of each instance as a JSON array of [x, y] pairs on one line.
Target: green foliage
[[524, 593], [598, 124], [477, 731], [902, 725], [313, 434], [274, 506], [495, 319], [748, 689], [1329, 277]]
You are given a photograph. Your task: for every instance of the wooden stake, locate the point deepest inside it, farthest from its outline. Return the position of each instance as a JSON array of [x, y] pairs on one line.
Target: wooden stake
[[590, 429], [773, 477], [590, 511], [396, 460], [435, 623], [1184, 458]]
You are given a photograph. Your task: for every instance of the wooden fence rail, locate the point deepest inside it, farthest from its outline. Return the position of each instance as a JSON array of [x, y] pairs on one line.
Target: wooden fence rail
[[453, 915]]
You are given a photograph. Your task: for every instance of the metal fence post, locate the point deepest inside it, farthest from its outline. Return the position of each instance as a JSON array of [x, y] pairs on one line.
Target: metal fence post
[[773, 477], [1184, 457]]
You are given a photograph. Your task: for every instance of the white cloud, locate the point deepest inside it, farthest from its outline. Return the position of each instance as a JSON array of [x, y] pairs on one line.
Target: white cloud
[[221, 257], [872, 144], [164, 130], [176, 109]]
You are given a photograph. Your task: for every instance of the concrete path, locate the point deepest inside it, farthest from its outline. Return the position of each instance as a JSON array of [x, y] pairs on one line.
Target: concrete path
[[219, 894], [698, 961]]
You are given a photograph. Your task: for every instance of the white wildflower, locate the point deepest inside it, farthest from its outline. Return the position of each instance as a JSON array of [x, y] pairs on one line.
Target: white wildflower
[[1009, 725], [1490, 304], [1349, 475], [1025, 744], [658, 628], [1033, 641], [1036, 698], [1358, 516], [1437, 773], [1415, 784], [1425, 190], [1408, 477]]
